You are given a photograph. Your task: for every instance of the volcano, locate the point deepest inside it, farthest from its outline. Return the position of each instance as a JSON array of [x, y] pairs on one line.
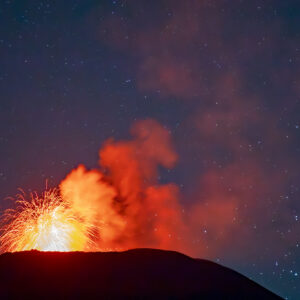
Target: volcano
[[137, 273]]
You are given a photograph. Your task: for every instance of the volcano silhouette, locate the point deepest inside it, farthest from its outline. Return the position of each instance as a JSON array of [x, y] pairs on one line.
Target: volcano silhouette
[[138, 273]]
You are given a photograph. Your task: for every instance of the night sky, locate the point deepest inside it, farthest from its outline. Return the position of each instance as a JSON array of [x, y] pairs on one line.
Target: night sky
[[222, 77]]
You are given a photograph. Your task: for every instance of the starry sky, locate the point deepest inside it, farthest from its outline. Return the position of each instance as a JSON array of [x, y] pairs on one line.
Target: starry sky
[[222, 77]]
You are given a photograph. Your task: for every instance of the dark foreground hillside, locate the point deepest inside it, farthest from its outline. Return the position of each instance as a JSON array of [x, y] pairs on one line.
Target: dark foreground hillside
[[141, 273]]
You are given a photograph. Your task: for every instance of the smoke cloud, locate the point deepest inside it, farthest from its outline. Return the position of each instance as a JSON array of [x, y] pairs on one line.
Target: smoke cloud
[[123, 199]]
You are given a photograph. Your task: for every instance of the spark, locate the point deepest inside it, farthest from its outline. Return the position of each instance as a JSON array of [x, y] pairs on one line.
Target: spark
[[45, 223]]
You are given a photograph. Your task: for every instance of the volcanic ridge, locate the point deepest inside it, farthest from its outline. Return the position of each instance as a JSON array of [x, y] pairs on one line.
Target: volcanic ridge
[[137, 273]]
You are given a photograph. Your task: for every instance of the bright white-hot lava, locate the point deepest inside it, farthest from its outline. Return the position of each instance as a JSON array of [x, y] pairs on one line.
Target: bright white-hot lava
[[43, 223]]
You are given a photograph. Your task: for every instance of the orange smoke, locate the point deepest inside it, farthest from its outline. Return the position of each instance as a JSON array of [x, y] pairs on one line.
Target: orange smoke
[[118, 206]]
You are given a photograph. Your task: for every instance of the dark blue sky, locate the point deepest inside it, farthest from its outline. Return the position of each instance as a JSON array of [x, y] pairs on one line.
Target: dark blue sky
[[222, 76]]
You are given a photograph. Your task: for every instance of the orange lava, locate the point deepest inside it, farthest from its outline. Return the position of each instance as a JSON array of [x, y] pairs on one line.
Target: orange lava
[[44, 223]]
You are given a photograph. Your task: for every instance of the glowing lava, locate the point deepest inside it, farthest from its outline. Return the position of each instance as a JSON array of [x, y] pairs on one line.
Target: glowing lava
[[44, 223]]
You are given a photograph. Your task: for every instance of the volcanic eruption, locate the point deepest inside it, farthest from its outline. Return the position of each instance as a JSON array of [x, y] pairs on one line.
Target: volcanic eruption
[[118, 206]]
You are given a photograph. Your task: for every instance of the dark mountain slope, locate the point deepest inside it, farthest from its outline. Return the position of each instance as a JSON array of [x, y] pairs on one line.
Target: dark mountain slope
[[142, 273]]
